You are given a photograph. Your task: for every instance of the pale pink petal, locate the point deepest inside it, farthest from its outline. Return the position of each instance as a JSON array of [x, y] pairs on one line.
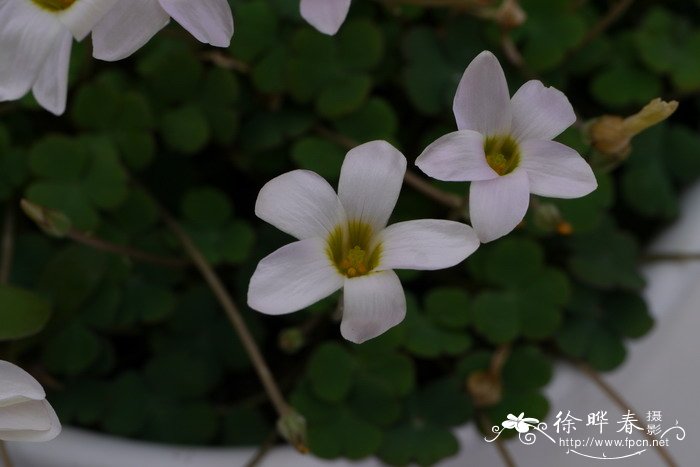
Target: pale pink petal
[[482, 102], [293, 277], [372, 305], [27, 37], [209, 21], [325, 15], [128, 26], [300, 203], [556, 170], [32, 421], [426, 244], [497, 206], [540, 112], [456, 157], [370, 182], [17, 385], [83, 15], [51, 87]]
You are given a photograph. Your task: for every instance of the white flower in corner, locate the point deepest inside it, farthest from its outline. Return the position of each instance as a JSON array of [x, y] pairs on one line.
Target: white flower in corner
[[132, 23], [504, 147], [25, 415], [344, 242], [325, 15], [36, 37]]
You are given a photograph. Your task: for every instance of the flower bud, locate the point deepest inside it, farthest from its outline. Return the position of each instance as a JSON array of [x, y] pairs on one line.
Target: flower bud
[[485, 388], [292, 427], [53, 223], [612, 135]]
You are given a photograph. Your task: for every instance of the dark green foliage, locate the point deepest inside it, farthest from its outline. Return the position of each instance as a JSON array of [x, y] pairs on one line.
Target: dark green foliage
[[143, 350]]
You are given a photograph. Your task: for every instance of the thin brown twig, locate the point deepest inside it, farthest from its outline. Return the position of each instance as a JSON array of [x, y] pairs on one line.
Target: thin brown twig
[[658, 257], [506, 457], [263, 450], [623, 405], [412, 179], [614, 13], [217, 287], [8, 244], [103, 245], [5, 456], [8, 235]]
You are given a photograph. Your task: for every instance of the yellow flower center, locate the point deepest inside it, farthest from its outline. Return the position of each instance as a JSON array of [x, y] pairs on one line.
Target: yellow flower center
[[55, 5], [350, 248], [502, 154]]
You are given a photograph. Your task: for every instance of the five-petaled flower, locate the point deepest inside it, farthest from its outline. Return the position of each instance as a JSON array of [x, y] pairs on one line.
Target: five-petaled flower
[[36, 37], [25, 415], [130, 24], [344, 242], [504, 147], [325, 15], [521, 423]]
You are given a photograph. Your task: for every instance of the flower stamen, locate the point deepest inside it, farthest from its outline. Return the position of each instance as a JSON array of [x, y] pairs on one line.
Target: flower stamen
[[502, 154], [55, 5], [351, 249]]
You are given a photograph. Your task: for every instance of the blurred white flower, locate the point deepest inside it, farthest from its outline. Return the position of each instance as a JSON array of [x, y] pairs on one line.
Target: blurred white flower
[[520, 423], [25, 415], [36, 37], [504, 147], [130, 24], [344, 242], [325, 15]]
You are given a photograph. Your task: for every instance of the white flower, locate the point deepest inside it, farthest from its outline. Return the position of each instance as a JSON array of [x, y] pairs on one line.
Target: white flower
[[132, 23], [344, 242], [521, 424], [36, 37], [325, 15], [25, 415], [504, 147]]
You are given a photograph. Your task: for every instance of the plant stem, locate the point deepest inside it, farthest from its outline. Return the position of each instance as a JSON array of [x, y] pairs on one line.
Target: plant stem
[[500, 447], [415, 181], [263, 450], [234, 316], [5, 456], [613, 14], [8, 244], [103, 245], [624, 406]]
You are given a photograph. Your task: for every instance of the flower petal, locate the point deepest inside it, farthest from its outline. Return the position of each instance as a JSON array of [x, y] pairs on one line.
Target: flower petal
[[51, 87], [522, 427], [556, 170], [17, 385], [497, 206], [540, 112], [300, 203], [457, 157], [509, 424], [372, 304], [29, 421], [83, 15], [293, 277], [209, 21], [482, 102], [27, 36], [370, 182], [128, 26], [426, 244], [325, 15]]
